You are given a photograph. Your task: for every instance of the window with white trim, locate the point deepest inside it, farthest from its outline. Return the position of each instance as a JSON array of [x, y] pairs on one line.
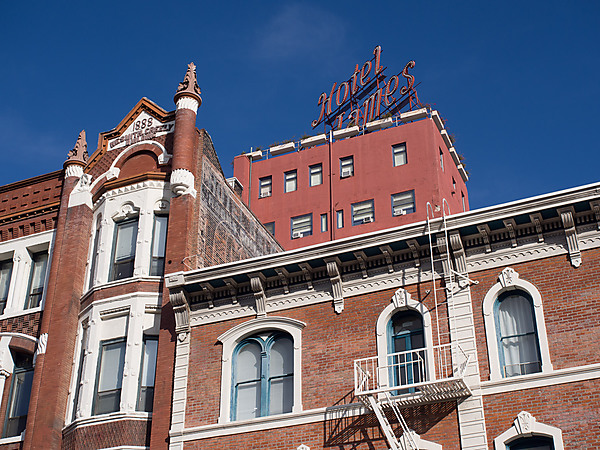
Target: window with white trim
[[515, 328], [37, 278], [110, 376], [263, 376], [5, 276], [124, 249], [265, 186], [261, 368], [323, 223], [403, 203], [159, 241], [441, 160], [316, 174], [95, 253], [363, 212], [529, 434], [291, 181], [147, 374], [20, 392], [301, 226], [346, 167], [339, 218], [399, 154]]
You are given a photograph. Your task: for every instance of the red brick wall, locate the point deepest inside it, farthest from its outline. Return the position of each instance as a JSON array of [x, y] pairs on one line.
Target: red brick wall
[[111, 434], [573, 407], [568, 297], [27, 324]]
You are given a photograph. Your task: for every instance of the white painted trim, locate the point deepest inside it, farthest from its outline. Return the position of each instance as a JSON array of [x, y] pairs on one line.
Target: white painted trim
[[12, 439], [402, 301], [125, 447], [525, 425], [509, 280], [541, 379], [232, 337]]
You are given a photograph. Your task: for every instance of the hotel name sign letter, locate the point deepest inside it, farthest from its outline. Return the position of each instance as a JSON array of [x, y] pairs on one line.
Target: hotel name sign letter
[[366, 95]]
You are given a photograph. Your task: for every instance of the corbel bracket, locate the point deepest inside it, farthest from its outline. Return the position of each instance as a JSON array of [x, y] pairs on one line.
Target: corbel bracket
[[387, 254], [283, 278], [458, 251], [307, 271], [233, 289], [181, 309], [362, 261], [567, 216], [257, 282], [511, 226], [414, 249], [595, 204], [484, 230], [333, 271], [209, 293], [537, 219]]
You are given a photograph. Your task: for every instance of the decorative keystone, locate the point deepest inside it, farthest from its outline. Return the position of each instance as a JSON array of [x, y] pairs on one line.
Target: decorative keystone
[[79, 154], [189, 86]]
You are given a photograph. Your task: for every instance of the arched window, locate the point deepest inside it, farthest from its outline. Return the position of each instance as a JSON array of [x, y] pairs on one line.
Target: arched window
[[263, 376], [406, 354], [532, 443], [517, 334]]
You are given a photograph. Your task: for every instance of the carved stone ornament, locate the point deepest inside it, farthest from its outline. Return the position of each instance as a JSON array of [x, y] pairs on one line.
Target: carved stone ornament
[[257, 284], [41, 346], [567, 218], [508, 277], [524, 423], [182, 182], [181, 310], [189, 86], [401, 298], [336, 285], [303, 447], [79, 154]]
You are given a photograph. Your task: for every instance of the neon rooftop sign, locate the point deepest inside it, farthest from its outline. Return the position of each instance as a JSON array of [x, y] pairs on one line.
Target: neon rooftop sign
[[366, 95]]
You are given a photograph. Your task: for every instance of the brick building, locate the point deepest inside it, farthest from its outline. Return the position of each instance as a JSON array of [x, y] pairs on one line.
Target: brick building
[[416, 330]]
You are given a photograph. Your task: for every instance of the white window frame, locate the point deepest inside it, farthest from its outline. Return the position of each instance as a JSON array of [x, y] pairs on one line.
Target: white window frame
[[347, 167], [290, 181], [402, 301], [305, 231], [396, 209], [363, 212], [525, 425], [399, 156], [265, 186], [339, 218], [441, 159], [231, 338], [509, 280], [324, 223], [315, 174]]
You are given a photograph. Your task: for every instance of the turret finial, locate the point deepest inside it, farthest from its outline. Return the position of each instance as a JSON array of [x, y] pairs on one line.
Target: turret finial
[[79, 154], [189, 86]]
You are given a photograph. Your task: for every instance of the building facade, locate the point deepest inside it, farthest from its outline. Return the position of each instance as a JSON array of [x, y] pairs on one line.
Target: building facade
[[147, 302]]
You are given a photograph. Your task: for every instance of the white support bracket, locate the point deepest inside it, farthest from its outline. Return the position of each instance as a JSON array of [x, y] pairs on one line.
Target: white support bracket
[[333, 271], [257, 282], [567, 216]]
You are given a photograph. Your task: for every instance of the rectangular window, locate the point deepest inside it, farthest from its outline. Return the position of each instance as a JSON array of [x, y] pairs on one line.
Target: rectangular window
[[270, 228], [20, 392], [291, 181], [464, 205], [323, 223], [124, 249], [5, 274], [316, 174], [453, 183], [95, 256], [346, 167], [441, 159], [339, 217], [110, 377], [363, 212], [403, 203], [399, 154], [82, 357], [301, 226], [159, 240], [39, 262], [265, 186], [146, 392]]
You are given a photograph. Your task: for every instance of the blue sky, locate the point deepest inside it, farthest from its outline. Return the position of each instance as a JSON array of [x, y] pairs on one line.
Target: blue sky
[[517, 81]]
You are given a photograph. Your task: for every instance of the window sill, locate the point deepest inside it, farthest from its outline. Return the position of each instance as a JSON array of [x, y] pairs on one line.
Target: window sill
[[12, 439], [541, 379], [124, 281], [21, 312], [105, 418]]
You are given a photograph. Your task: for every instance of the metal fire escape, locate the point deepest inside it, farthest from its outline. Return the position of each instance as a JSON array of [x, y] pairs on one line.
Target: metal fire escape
[[387, 383]]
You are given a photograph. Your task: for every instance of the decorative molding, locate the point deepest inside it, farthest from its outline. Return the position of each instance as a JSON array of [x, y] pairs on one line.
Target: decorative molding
[[567, 218], [127, 211], [257, 283], [73, 170], [283, 275], [112, 173], [188, 103], [362, 258], [595, 204], [303, 447], [41, 346], [79, 155], [511, 226], [188, 88], [233, 289], [387, 254], [81, 193], [537, 219], [181, 310], [114, 312], [484, 230], [307, 272], [508, 277], [414, 248], [333, 271], [525, 425], [182, 182]]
